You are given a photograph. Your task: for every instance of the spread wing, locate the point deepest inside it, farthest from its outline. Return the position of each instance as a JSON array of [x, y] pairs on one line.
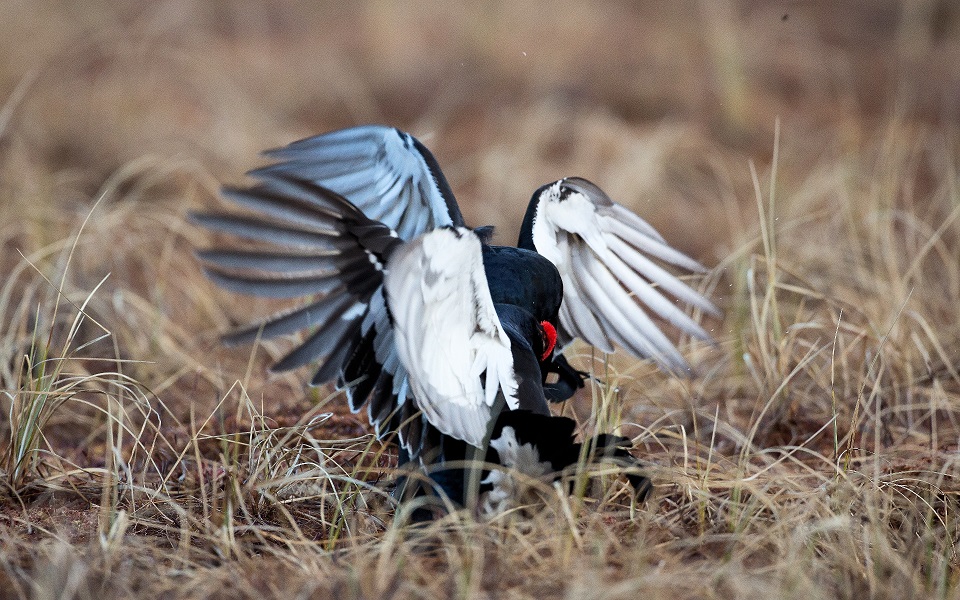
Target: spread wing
[[393, 180], [305, 241], [449, 339], [310, 243], [604, 254], [386, 173]]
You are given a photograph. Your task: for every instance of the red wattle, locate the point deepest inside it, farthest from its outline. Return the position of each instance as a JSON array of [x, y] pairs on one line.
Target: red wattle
[[551, 333]]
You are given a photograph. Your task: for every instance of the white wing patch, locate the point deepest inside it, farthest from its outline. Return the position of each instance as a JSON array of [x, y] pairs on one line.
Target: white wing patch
[[447, 333], [601, 250]]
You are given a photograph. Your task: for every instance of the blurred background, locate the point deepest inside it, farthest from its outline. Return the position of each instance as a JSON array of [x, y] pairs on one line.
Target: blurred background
[[134, 112], [660, 103]]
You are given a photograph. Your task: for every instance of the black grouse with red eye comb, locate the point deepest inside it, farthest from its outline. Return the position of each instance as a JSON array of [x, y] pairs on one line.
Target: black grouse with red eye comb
[[447, 340]]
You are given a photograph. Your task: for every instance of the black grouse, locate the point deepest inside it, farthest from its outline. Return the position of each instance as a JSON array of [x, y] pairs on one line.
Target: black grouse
[[447, 339]]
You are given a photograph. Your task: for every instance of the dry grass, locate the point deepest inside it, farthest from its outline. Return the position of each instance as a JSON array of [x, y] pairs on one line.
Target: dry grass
[[808, 150]]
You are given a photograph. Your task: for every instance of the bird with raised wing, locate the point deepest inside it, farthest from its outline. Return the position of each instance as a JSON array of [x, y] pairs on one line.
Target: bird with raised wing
[[443, 336]]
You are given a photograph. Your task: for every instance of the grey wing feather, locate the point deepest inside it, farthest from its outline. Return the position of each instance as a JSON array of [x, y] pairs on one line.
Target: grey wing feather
[[386, 173]]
